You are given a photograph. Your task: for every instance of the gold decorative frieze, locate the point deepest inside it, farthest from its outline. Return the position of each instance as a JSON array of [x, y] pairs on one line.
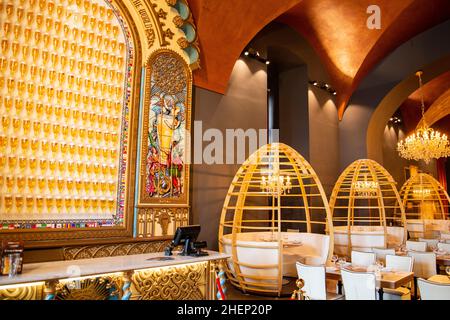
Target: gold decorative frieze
[[86, 289], [161, 221], [183, 43], [111, 250], [32, 292], [188, 282], [153, 19]]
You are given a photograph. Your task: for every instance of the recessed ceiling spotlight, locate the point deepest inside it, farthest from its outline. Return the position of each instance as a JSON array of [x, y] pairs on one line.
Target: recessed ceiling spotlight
[[315, 83], [326, 85], [246, 53], [267, 62], [334, 93]]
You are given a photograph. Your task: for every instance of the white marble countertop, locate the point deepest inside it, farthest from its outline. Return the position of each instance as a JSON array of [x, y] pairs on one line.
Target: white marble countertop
[[55, 270]]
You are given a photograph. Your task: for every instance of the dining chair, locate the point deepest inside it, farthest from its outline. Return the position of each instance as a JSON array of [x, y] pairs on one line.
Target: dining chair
[[444, 247], [431, 243], [315, 284], [430, 290], [424, 266], [416, 246], [402, 264], [359, 285], [363, 259], [381, 253]]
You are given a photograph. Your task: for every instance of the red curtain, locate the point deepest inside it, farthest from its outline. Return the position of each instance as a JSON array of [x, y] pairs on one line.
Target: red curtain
[[442, 176]]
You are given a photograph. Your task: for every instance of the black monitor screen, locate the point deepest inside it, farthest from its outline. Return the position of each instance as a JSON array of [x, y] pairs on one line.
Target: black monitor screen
[[186, 233]]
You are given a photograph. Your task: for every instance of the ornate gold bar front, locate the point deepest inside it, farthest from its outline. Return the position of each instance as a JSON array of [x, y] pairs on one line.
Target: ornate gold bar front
[[150, 276]]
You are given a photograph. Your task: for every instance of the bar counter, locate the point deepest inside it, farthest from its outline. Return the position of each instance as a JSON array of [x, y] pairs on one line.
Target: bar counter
[[142, 276]]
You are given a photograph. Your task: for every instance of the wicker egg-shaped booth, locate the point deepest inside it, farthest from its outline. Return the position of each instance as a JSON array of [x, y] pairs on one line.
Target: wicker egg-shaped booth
[[426, 204], [275, 213], [363, 205]]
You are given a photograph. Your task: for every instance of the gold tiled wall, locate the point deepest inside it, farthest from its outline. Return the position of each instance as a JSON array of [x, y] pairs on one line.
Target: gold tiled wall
[[62, 69]]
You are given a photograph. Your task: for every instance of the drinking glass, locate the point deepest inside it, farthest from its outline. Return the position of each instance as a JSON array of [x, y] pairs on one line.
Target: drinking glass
[[8, 202], [334, 259], [342, 261], [33, 164], [14, 263], [40, 204], [30, 205], [19, 203], [31, 183]]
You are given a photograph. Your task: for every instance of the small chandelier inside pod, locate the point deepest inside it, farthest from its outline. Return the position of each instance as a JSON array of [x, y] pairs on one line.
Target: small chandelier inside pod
[[425, 143], [275, 183], [421, 192], [365, 188]]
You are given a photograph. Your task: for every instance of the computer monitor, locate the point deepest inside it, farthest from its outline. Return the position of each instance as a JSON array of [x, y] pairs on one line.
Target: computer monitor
[[186, 236]]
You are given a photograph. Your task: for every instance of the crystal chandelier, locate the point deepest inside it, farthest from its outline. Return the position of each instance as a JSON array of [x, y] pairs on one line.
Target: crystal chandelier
[[421, 193], [276, 184], [365, 188], [425, 143]]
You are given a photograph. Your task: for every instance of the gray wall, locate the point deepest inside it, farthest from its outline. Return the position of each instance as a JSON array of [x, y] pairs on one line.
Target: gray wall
[[293, 109], [244, 105]]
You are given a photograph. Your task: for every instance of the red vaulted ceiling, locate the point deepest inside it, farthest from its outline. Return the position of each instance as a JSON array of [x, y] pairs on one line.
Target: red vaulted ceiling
[[411, 108], [337, 31]]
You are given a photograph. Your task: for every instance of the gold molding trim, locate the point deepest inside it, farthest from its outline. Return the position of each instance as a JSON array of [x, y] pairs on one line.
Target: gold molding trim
[[112, 250], [32, 292], [188, 282], [151, 220], [148, 12]]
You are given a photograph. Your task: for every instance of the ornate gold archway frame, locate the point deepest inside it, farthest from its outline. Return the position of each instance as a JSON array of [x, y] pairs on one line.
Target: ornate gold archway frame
[[152, 25]]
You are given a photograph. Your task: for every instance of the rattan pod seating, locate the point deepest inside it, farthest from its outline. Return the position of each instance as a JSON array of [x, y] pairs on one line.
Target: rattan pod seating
[[363, 204], [267, 229], [426, 204]]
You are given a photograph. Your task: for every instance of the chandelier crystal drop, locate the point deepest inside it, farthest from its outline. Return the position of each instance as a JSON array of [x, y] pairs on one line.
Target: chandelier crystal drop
[[425, 143]]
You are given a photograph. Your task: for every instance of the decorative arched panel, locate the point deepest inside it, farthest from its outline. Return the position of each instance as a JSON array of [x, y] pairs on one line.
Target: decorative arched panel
[[165, 143], [67, 77], [73, 75]]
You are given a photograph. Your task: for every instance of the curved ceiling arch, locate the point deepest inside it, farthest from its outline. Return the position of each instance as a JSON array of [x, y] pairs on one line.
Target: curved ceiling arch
[[390, 103], [336, 31], [439, 109], [224, 28]]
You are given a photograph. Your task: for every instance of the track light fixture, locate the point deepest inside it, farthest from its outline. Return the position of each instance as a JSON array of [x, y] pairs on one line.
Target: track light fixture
[[324, 86], [254, 54]]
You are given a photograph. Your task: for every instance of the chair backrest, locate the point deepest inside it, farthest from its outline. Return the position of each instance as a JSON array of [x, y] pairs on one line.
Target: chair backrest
[[416, 246], [314, 277], [359, 285], [431, 243], [444, 247], [424, 264], [430, 290], [400, 263], [380, 254], [415, 227], [363, 258]]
